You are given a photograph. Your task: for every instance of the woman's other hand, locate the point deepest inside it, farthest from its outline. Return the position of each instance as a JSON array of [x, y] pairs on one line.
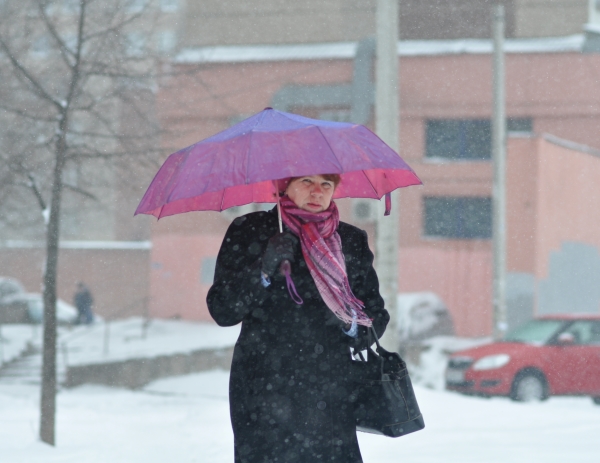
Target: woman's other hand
[[280, 247]]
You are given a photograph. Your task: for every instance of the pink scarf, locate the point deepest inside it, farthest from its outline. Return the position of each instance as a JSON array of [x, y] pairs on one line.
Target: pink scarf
[[322, 250]]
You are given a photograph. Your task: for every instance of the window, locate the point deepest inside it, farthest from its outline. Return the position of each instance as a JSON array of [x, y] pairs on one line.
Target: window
[[535, 331], [169, 5], [167, 40], [41, 46], [453, 139], [70, 41], [136, 6], [466, 139], [519, 124], [135, 44], [70, 6], [455, 217], [585, 332], [71, 175]]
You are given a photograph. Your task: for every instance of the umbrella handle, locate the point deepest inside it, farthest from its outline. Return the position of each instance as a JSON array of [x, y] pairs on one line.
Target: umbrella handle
[[279, 211], [286, 269]]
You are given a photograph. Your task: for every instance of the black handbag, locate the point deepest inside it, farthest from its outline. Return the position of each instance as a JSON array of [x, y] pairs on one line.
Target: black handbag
[[383, 396]]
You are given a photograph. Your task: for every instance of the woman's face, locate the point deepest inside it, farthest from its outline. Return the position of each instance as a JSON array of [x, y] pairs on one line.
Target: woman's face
[[312, 193]]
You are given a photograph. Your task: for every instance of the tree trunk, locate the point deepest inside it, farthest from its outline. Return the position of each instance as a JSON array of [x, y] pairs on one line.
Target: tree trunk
[[48, 392]]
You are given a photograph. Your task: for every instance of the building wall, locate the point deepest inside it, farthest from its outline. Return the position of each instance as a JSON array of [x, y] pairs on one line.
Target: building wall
[[461, 275], [551, 88], [521, 200], [117, 278], [546, 18], [553, 223], [274, 21], [177, 288], [230, 22], [568, 238]]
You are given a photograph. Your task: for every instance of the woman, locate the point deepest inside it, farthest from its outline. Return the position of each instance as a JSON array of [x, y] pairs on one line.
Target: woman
[[291, 374]]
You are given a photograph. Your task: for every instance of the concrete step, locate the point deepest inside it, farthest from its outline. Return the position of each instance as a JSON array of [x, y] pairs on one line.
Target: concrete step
[[28, 370]]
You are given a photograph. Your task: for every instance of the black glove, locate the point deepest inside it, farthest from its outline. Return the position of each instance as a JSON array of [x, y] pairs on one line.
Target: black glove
[[280, 247], [361, 341]]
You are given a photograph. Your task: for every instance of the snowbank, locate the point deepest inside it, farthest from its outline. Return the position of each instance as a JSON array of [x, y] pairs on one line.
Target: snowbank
[[136, 338], [14, 340], [429, 371]]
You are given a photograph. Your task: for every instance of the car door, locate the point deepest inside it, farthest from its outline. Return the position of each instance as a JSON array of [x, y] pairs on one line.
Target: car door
[[575, 359], [590, 350]]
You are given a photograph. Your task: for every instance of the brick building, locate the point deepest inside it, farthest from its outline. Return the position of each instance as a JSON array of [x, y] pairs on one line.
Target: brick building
[[445, 225]]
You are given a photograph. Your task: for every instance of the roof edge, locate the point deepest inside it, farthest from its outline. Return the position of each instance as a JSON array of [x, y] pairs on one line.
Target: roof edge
[[347, 50], [571, 145]]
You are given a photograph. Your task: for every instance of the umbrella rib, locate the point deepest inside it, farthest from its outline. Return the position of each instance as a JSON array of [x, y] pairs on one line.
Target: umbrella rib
[[171, 188], [339, 163], [330, 149], [370, 183]]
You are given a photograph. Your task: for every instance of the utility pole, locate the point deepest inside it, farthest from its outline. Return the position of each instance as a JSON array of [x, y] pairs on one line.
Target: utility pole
[[386, 125], [499, 188]]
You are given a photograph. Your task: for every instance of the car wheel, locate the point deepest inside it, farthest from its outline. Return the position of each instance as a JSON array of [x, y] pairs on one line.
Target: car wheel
[[529, 387], [596, 400]]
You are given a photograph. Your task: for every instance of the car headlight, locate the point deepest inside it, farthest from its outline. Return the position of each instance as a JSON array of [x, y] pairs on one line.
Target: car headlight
[[491, 361]]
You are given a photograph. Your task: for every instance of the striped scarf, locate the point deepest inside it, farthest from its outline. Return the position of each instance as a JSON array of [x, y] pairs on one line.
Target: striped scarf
[[322, 250]]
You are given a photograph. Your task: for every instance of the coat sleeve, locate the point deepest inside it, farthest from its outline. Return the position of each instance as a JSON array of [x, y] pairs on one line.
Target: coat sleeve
[[237, 287], [368, 292]]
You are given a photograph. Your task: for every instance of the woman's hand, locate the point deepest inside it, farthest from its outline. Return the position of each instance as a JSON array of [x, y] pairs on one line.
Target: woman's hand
[[280, 247]]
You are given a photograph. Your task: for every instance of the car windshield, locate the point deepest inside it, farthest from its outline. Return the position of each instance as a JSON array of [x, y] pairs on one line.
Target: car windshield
[[535, 331]]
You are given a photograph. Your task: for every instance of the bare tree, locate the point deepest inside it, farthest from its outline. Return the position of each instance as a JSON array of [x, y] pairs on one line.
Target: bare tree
[[76, 87]]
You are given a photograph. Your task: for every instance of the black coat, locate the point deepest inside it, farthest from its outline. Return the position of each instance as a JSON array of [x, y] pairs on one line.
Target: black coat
[[291, 370]]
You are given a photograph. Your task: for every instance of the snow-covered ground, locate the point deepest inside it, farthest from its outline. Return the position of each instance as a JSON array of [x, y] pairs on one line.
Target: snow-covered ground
[[14, 339], [186, 419]]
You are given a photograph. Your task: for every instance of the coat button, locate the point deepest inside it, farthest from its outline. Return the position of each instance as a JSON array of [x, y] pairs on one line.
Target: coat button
[[321, 405], [319, 349]]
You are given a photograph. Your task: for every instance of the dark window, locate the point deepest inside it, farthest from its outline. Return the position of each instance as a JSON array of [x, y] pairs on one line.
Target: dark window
[[458, 217], [466, 139], [519, 124], [454, 139]]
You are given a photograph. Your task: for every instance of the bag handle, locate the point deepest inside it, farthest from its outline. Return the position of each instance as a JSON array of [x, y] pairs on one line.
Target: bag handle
[[370, 330], [378, 356], [383, 355]]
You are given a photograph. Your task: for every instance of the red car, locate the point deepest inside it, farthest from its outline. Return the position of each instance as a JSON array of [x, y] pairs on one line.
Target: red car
[[552, 355]]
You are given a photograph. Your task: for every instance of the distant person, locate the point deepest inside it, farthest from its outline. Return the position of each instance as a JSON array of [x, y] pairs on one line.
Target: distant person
[[83, 302]]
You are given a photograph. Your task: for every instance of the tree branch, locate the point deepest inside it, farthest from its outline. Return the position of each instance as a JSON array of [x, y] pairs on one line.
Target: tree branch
[[32, 184], [41, 91], [81, 191], [64, 50]]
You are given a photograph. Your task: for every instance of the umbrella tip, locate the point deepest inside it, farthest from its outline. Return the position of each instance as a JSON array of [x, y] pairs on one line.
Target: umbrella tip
[[268, 107]]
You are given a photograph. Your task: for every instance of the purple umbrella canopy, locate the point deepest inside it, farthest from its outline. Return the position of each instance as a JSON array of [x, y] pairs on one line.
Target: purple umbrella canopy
[[240, 164]]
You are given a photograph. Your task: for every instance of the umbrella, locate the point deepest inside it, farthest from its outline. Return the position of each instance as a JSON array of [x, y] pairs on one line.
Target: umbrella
[[240, 164]]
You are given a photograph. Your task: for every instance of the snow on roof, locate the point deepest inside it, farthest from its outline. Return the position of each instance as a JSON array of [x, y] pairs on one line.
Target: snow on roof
[[571, 145], [592, 27], [245, 53], [347, 50]]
